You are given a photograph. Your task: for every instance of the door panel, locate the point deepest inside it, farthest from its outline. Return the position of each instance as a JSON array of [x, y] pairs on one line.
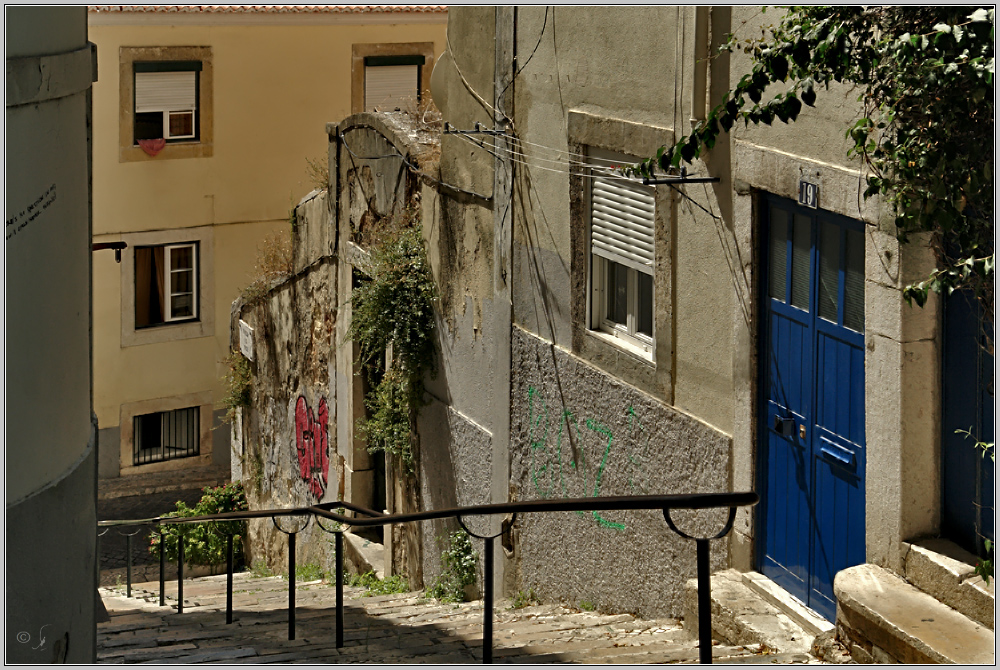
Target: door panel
[[812, 467]]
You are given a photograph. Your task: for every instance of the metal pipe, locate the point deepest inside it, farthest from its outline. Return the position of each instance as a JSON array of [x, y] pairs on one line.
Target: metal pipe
[[291, 586], [704, 603], [488, 600], [163, 559], [128, 566], [339, 566], [229, 578], [180, 572], [700, 81]]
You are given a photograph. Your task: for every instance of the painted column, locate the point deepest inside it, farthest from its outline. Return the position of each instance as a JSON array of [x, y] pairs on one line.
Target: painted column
[[51, 438]]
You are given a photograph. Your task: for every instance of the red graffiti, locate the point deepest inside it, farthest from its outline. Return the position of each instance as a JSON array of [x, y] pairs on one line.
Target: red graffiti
[[311, 445]]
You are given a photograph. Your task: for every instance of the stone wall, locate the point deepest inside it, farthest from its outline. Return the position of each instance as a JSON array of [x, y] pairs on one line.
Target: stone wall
[[284, 444]]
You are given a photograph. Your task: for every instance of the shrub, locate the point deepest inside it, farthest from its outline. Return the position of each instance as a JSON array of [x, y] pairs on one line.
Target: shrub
[[459, 562], [205, 543]]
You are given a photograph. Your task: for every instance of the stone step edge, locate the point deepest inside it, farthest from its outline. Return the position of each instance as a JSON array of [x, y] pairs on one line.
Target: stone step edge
[[945, 571], [807, 618], [741, 616], [882, 618]]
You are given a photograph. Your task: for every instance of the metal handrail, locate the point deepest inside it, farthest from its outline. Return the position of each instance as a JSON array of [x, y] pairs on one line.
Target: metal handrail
[[665, 503]]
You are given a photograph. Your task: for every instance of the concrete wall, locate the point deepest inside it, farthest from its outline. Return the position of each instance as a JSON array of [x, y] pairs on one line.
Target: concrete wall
[[578, 432], [51, 439], [276, 79]]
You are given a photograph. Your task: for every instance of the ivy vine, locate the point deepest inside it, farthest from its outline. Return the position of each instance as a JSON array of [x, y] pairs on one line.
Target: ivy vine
[[925, 134], [393, 310]]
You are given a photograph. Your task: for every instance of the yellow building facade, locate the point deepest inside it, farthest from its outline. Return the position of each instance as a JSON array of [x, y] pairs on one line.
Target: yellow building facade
[[204, 121]]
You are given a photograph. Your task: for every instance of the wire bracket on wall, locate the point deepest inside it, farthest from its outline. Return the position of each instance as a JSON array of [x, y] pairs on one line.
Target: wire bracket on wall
[[117, 246], [479, 130], [681, 179]]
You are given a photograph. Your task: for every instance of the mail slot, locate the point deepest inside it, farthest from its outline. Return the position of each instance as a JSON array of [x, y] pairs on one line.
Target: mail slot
[[784, 426]]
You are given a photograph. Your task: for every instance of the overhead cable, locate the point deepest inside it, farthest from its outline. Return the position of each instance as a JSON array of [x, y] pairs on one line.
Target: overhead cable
[[413, 167]]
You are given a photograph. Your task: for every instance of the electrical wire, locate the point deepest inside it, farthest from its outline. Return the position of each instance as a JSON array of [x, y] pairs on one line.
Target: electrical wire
[[588, 173], [413, 167], [520, 69]]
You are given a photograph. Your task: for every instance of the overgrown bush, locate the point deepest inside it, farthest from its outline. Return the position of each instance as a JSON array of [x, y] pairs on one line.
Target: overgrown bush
[[274, 262], [237, 383], [459, 569], [393, 307], [205, 543]]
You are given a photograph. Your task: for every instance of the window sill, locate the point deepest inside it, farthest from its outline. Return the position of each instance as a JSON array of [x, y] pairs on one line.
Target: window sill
[[172, 150], [627, 347]]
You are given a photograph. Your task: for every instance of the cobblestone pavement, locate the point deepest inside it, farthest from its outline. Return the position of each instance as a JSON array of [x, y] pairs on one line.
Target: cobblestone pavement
[[112, 544], [390, 629]]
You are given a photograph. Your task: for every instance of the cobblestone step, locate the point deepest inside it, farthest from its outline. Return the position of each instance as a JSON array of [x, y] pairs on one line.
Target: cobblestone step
[[391, 629]]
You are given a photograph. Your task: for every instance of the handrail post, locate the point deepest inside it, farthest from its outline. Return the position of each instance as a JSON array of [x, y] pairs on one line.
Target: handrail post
[[488, 600], [229, 578], [128, 566], [180, 570], [339, 566], [704, 603], [163, 558], [291, 586]]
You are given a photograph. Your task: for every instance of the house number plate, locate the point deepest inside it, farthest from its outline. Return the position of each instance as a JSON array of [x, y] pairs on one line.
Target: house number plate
[[808, 194]]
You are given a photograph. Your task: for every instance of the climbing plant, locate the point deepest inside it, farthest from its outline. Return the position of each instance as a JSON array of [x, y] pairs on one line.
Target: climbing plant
[[925, 129], [392, 310]]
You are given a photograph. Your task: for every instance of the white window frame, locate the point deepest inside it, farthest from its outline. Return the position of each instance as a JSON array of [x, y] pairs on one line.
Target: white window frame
[[625, 335], [168, 270], [170, 109]]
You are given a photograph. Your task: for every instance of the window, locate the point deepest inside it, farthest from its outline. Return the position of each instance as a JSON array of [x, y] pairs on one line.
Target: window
[[622, 253], [390, 80], [164, 436], [166, 100], [384, 76], [166, 103], [166, 284]]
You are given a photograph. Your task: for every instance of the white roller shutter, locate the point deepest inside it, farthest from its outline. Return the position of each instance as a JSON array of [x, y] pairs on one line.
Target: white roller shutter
[[165, 91], [622, 216], [386, 86]]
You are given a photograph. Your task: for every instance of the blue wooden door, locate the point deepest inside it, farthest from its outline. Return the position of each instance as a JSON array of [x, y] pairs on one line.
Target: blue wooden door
[[967, 476], [812, 417]]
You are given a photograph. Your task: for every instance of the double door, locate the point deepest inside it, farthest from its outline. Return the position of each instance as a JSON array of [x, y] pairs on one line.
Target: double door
[[812, 456]]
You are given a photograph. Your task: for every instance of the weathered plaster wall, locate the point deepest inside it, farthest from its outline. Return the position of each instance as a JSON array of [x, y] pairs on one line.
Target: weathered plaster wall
[[578, 432], [284, 447]]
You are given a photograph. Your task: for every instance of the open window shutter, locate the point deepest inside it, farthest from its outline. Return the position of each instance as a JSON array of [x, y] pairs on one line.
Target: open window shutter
[[388, 85], [622, 219], [165, 91]]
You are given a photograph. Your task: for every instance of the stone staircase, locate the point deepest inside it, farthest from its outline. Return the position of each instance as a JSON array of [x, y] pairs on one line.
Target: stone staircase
[[399, 628]]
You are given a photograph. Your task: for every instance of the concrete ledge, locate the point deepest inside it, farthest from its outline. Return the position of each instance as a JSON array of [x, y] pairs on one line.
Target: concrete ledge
[[807, 619], [364, 555], [740, 616], [162, 482], [946, 571], [883, 619]]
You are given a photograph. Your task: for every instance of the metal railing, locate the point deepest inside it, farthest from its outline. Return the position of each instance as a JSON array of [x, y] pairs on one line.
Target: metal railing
[[370, 518]]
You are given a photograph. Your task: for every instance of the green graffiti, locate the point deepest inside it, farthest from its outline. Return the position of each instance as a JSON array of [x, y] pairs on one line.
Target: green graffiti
[[547, 465]]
